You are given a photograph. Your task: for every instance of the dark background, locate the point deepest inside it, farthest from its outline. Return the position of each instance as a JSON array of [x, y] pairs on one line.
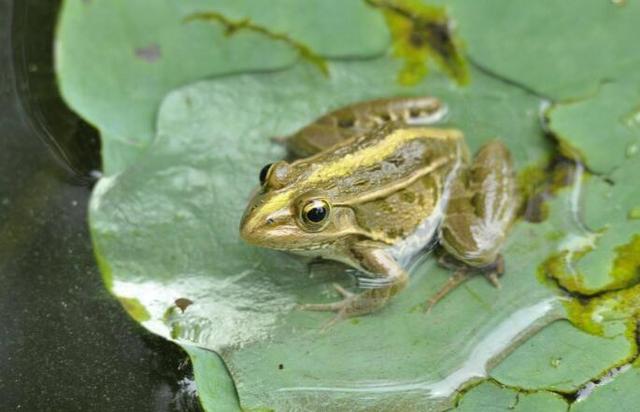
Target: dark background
[[65, 343]]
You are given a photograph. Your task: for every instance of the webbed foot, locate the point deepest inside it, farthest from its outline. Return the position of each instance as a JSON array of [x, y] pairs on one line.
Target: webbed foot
[[460, 276], [351, 305], [493, 272], [463, 273]]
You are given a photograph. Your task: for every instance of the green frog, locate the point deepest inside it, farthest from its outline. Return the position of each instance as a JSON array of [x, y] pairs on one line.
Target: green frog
[[374, 185]]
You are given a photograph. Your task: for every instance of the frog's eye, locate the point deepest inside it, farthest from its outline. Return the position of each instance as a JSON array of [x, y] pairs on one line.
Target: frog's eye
[[315, 214], [264, 173]]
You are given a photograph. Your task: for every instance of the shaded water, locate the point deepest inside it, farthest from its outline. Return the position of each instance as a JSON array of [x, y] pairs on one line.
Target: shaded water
[[65, 343]]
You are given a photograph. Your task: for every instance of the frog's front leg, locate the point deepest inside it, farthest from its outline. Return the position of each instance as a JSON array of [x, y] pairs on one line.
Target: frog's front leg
[[388, 279], [481, 207]]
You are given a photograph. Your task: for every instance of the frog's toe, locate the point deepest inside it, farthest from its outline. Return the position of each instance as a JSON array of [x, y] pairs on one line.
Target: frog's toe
[[340, 315], [493, 272], [492, 277], [459, 277], [341, 305], [342, 291], [345, 308], [323, 307]]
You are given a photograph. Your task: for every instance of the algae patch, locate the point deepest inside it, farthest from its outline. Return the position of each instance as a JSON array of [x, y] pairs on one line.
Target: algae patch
[[624, 272], [135, 309], [421, 32], [626, 266], [612, 312], [233, 26]]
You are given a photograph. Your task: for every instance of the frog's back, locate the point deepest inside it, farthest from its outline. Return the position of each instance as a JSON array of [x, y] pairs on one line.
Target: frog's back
[[392, 177]]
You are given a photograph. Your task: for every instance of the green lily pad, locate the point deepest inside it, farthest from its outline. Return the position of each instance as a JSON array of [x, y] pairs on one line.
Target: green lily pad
[[561, 49], [605, 255], [167, 229], [619, 392], [602, 131], [609, 314], [215, 387], [116, 59], [491, 397], [164, 222], [562, 358]]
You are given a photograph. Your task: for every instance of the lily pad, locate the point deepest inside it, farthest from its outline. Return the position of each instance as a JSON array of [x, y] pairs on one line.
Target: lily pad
[[164, 222], [117, 59], [166, 228], [605, 254], [561, 358], [560, 49], [602, 131], [491, 397], [621, 391], [214, 385]]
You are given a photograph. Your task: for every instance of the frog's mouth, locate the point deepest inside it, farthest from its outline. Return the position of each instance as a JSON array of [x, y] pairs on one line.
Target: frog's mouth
[[272, 230]]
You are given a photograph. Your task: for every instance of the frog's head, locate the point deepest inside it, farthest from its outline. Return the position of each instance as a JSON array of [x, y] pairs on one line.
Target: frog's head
[[286, 214]]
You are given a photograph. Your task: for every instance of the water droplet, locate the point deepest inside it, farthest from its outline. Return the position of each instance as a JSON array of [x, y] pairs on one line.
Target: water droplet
[[632, 149], [632, 120]]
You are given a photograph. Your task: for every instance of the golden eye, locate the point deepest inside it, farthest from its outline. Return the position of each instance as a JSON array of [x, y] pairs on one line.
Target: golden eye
[[315, 214]]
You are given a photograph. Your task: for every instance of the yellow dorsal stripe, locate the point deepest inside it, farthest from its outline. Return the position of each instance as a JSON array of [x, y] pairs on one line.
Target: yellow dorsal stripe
[[365, 157], [377, 153]]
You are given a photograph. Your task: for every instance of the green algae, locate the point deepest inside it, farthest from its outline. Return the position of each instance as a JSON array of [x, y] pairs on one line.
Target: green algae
[[421, 32], [626, 266], [624, 272], [599, 313], [135, 308], [234, 26], [634, 213]]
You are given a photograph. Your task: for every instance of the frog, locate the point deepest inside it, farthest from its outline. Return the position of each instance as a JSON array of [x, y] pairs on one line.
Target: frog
[[377, 183]]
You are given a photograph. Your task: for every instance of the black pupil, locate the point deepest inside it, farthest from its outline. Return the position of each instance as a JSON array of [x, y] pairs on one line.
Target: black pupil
[[263, 173], [316, 214]]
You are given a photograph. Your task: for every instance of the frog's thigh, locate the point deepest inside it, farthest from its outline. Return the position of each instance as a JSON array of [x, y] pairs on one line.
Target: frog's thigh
[[481, 207], [359, 118], [316, 137], [329, 130]]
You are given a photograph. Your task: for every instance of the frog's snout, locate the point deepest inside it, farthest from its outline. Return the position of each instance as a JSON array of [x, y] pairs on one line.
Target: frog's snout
[[250, 226], [255, 227], [267, 229]]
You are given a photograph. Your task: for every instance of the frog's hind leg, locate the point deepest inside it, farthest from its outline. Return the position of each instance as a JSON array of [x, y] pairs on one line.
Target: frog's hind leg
[[481, 208], [461, 275], [358, 118], [494, 271]]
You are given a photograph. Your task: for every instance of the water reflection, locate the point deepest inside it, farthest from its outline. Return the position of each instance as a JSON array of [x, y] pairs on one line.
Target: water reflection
[[496, 343]]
